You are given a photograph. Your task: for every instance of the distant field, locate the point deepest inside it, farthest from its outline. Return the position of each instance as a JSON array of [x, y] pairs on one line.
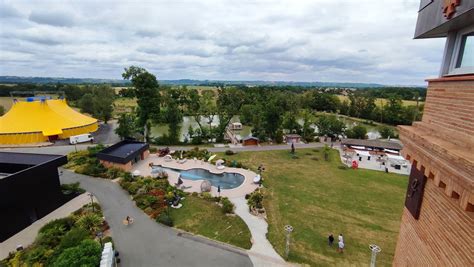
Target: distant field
[[379, 101], [6, 102], [123, 105]]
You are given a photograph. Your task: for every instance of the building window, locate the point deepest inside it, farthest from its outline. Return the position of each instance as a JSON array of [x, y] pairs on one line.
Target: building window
[[462, 61], [466, 51]]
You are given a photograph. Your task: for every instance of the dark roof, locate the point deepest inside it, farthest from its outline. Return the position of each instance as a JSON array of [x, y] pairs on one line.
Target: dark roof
[[27, 158], [14, 162], [373, 143], [250, 138], [123, 151]]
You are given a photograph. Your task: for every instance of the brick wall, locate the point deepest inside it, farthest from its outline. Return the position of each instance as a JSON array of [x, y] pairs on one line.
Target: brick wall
[[443, 144], [442, 236], [126, 167]]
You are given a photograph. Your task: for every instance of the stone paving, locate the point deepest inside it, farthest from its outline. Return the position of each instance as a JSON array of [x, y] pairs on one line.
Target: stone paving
[[195, 185], [28, 235]]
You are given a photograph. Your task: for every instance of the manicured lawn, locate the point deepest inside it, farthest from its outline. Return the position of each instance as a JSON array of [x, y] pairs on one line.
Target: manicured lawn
[[204, 217], [318, 198]]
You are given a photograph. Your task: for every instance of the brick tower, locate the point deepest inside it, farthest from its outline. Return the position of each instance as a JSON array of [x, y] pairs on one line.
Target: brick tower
[[437, 227]]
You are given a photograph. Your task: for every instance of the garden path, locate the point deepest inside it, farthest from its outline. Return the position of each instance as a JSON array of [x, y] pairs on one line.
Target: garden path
[[262, 252], [147, 243]]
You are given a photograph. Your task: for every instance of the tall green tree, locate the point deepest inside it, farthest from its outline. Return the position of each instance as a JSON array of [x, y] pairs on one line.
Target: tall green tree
[[146, 89], [229, 102], [126, 125]]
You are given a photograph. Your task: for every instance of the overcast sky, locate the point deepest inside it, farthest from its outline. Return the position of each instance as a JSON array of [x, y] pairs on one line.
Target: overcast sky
[[295, 40]]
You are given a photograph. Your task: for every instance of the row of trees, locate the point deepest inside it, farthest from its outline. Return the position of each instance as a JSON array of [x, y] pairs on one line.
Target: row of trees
[[271, 112]]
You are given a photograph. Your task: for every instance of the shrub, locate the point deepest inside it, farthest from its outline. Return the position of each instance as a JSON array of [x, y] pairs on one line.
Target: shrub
[[194, 194], [206, 195], [87, 253], [343, 167], [227, 206], [315, 158], [113, 173], [90, 221], [153, 149], [64, 223], [70, 189], [229, 152], [317, 139], [74, 237], [163, 218], [247, 196], [108, 239], [255, 200]]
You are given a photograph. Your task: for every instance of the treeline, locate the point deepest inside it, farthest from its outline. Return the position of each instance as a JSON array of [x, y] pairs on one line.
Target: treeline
[[405, 93], [270, 111]]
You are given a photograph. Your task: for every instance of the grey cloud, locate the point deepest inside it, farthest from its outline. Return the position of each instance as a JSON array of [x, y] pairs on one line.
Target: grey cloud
[[7, 11], [53, 18]]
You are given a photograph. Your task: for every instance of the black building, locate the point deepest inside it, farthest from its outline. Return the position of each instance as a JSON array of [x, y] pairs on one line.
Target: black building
[[124, 154], [29, 189]]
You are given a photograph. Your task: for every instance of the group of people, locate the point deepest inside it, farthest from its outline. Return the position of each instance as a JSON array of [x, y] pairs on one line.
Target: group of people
[[340, 243]]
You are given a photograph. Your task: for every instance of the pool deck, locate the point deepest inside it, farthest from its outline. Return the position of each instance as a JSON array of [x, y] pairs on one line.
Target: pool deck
[[195, 185]]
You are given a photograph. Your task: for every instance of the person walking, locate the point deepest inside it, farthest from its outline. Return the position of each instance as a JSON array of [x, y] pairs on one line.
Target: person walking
[[330, 240], [340, 238], [341, 246]]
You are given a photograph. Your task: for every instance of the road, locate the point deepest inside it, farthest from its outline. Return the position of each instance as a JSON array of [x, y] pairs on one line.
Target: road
[[147, 243], [64, 150]]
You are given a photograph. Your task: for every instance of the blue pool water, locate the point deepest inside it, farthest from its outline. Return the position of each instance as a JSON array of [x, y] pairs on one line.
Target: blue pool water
[[225, 180]]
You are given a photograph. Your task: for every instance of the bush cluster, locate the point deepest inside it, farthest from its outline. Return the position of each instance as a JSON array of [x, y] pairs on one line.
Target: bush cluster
[[64, 242], [255, 200], [227, 206]]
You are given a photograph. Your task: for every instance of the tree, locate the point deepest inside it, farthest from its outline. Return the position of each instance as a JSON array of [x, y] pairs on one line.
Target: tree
[[126, 126], [307, 130], [87, 253], [98, 103], [146, 89], [325, 102], [330, 125], [357, 132], [86, 103], [386, 132], [229, 102]]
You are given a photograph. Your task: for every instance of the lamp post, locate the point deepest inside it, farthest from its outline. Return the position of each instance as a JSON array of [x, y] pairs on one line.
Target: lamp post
[[288, 230], [92, 201], [375, 250]]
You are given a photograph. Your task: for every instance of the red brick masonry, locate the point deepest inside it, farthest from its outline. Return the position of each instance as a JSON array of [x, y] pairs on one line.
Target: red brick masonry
[[442, 143]]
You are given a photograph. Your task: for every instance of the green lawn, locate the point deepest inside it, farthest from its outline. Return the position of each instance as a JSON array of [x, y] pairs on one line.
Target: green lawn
[[318, 198], [204, 217]]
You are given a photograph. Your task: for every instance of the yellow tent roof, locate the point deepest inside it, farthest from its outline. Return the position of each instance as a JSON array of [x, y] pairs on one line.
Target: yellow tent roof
[[50, 117]]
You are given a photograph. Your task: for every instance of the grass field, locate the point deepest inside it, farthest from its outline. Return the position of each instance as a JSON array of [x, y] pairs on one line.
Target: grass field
[[380, 101], [204, 217], [6, 102], [318, 198], [122, 105]]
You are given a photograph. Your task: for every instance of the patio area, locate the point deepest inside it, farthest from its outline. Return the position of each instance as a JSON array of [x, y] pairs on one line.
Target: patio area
[[190, 186]]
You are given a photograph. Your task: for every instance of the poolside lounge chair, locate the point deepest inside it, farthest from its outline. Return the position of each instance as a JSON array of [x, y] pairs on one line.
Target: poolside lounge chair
[[257, 179]]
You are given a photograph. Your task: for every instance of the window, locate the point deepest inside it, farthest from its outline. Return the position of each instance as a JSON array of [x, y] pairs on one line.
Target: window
[[462, 61], [466, 51]]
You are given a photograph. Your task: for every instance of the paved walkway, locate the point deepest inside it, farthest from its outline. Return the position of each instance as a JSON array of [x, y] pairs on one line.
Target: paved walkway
[[147, 243], [262, 252], [28, 235]]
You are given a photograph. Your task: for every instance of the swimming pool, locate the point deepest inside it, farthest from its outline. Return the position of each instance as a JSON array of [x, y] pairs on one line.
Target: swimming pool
[[225, 180]]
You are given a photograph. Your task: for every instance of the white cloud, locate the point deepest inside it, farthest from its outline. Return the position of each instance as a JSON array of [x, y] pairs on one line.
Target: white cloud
[[320, 40]]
